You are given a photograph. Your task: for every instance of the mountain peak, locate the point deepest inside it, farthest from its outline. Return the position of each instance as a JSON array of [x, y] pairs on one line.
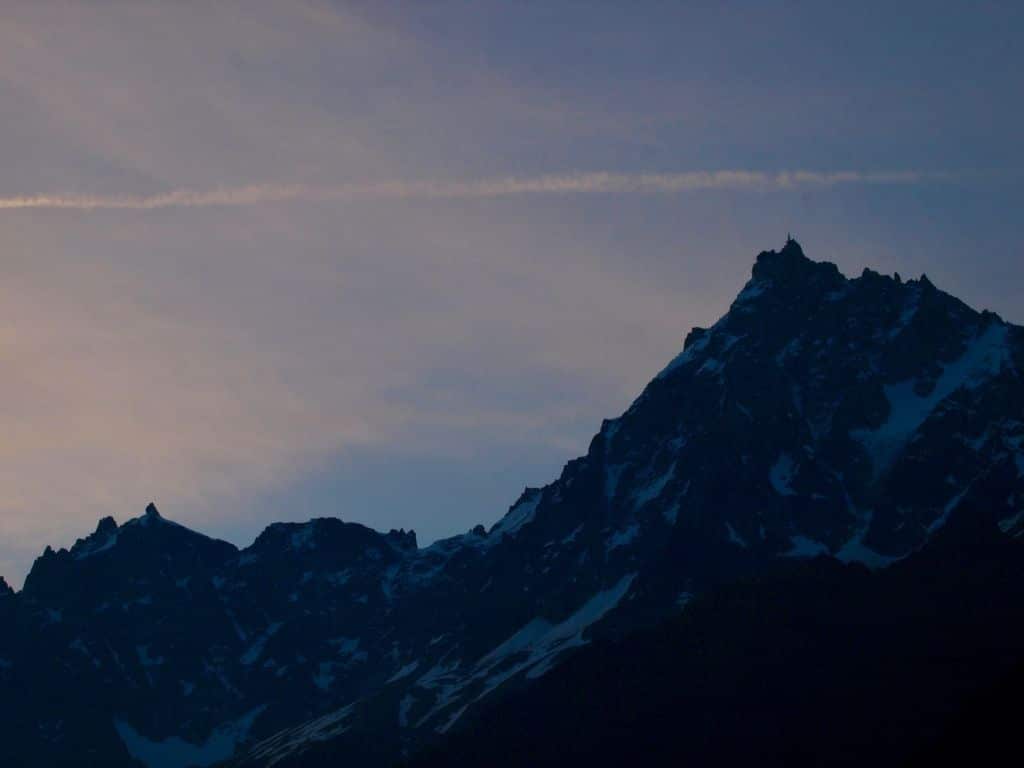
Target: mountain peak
[[792, 245], [329, 539], [790, 251], [106, 526], [152, 518], [790, 265], [5, 588], [402, 539]]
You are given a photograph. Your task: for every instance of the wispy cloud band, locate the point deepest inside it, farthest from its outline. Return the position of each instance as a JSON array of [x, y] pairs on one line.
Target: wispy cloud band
[[566, 184]]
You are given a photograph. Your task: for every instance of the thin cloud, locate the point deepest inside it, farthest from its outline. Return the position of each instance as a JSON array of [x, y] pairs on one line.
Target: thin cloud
[[568, 184]]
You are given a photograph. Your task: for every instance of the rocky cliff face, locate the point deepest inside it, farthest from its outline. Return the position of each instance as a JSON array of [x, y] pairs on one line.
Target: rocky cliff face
[[811, 662], [820, 415]]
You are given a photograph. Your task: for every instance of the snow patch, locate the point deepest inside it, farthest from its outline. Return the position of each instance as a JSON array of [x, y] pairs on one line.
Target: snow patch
[[174, 752], [94, 548], [1009, 523], [405, 671], [985, 356], [856, 551], [452, 719], [78, 645], [671, 513], [942, 519], [791, 349], [612, 475], [624, 537], [803, 546], [907, 313], [573, 534], [273, 750], [687, 355], [735, 538], [712, 365], [338, 579], [751, 291], [303, 538], [532, 649], [442, 679], [404, 706], [653, 489], [611, 428], [387, 584], [142, 651], [781, 475], [254, 651], [436, 675], [349, 646], [543, 641], [519, 516], [324, 676]]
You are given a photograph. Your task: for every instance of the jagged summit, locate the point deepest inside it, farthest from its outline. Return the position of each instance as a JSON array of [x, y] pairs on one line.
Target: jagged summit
[[791, 246], [789, 271], [146, 550], [790, 253], [106, 526], [330, 538], [152, 517], [5, 588]]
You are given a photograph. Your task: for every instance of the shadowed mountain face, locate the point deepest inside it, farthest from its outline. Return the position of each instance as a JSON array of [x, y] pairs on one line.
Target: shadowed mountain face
[[819, 416], [811, 663]]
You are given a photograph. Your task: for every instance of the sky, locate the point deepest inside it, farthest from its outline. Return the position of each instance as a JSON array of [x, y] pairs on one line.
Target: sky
[[394, 261]]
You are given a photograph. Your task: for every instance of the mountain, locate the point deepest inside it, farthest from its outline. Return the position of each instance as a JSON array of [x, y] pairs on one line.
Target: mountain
[[811, 663], [849, 418]]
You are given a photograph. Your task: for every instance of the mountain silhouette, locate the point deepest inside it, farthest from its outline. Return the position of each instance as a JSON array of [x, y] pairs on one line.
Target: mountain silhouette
[[852, 420]]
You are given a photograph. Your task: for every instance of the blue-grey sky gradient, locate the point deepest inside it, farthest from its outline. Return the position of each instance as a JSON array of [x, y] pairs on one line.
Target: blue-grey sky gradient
[[319, 332]]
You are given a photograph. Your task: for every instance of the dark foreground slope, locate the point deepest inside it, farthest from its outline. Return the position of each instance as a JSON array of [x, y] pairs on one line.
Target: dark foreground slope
[[814, 663]]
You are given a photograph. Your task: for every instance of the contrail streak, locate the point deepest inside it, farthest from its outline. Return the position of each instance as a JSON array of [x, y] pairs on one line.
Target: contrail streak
[[569, 184]]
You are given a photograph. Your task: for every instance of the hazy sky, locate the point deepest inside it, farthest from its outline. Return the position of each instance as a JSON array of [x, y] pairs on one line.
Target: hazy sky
[[394, 261]]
